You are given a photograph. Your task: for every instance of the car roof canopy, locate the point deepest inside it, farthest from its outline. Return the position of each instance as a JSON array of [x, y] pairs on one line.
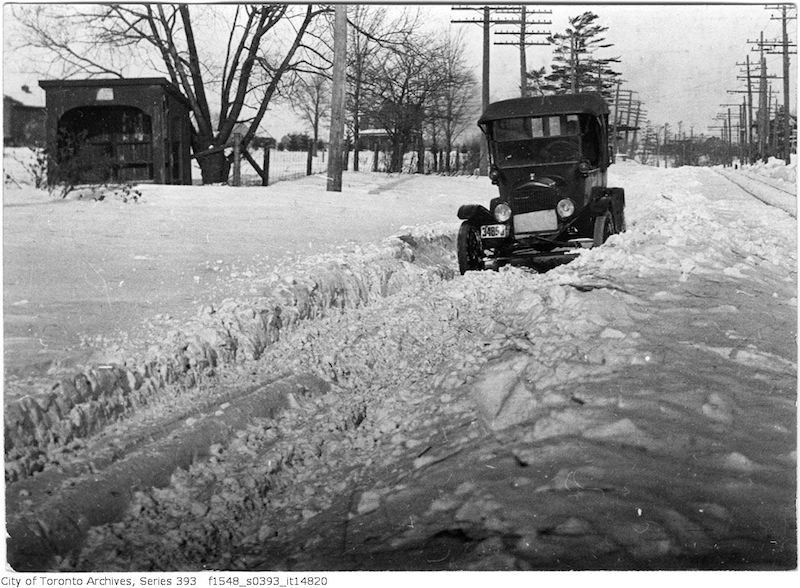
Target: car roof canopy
[[586, 103]]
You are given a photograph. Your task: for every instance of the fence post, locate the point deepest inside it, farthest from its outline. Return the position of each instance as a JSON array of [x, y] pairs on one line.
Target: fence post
[[375, 158], [237, 159], [265, 177], [308, 160]]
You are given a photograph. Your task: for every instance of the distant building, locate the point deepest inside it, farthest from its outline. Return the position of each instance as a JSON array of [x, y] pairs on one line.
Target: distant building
[[118, 130], [23, 125]]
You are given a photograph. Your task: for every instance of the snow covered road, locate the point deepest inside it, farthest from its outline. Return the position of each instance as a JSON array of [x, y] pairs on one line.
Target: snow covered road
[[634, 409]]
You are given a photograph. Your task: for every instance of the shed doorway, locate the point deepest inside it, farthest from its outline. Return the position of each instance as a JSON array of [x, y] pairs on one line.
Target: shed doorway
[[112, 143]]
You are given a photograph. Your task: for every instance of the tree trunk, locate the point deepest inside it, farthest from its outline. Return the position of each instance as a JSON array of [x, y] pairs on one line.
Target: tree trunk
[[214, 167], [420, 154], [397, 156], [448, 147]]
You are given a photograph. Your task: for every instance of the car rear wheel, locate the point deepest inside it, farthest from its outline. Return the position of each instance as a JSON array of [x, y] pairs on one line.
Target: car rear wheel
[[468, 246], [603, 228]]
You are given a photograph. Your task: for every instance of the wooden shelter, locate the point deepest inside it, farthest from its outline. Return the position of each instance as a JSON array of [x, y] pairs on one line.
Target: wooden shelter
[[119, 130]]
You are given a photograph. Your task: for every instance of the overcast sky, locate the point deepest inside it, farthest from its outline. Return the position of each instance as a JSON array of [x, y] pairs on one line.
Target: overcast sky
[[680, 58]]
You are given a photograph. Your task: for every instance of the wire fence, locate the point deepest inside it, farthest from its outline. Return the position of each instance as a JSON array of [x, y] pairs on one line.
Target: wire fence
[[290, 165]]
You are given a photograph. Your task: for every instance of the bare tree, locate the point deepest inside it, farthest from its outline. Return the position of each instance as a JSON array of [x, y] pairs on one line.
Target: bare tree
[[400, 87], [99, 40], [454, 105], [311, 100], [372, 35]]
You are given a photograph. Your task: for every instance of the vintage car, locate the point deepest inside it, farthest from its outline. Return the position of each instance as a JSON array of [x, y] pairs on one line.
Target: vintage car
[[549, 158]]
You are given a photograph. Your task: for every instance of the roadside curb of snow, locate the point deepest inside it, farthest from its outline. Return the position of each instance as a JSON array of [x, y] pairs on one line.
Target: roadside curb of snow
[[79, 406]]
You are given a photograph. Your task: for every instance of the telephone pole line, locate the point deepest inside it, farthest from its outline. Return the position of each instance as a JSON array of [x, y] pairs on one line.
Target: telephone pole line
[[787, 126], [485, 21], [522, 42], [763, 105], [770, 47]]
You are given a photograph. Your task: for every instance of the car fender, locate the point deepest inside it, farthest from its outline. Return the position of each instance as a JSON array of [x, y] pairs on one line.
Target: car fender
[[475, 213], [617, 197], [599, 200]]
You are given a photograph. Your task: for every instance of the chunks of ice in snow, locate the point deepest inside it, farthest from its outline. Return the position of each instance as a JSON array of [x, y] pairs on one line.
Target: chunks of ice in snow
[[502, 395], [717, 408], [369, 502], [734, 271], [609, 333], [623, 431], [739, 462]]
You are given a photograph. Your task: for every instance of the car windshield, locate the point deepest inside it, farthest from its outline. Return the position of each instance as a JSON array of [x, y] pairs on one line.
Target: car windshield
[[536, 139]]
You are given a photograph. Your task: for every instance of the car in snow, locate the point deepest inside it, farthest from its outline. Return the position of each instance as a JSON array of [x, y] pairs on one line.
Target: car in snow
[[549, 158]]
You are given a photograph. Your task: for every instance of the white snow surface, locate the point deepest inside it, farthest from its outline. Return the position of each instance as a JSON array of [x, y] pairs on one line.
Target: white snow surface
[[634, 409]]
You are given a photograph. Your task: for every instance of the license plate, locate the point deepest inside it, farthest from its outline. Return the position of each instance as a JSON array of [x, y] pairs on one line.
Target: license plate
[[494, 231], [532, 222]]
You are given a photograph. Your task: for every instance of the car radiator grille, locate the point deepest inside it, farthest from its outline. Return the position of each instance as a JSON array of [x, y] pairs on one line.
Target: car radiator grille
[[532, 200]]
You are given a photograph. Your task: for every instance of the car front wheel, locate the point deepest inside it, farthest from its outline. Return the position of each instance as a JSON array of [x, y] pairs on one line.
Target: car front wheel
[[468, 246], [603, 228]]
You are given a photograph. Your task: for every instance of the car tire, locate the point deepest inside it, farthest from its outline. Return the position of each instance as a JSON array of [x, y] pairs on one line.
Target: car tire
[[468, 248], [603, 228]]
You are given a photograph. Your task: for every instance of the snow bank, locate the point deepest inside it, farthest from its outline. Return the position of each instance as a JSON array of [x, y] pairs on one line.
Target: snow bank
[[776, 169], [237, 331]]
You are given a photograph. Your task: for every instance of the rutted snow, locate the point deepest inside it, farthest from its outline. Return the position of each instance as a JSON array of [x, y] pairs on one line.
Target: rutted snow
[[633, 409]]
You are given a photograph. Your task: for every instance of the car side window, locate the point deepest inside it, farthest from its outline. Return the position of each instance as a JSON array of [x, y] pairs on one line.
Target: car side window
[[512, 129], [573, 126], [590, 140]]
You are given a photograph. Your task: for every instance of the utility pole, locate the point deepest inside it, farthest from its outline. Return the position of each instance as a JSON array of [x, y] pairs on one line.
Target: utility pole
[[337, 98], [616, 118], [743, 120], [749, 113], [730, 140], [639, 113], [785, 45], [628, 118], [749, 93], [728, 128], [486, 22], [523, 33], [763, 105]]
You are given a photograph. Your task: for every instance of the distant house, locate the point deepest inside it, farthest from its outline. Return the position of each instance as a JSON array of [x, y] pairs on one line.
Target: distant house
[[373, 138], [23, 125]]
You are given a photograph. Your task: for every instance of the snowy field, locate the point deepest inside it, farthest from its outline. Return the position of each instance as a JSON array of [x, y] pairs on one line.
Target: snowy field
[[634, 409], [81, 272]]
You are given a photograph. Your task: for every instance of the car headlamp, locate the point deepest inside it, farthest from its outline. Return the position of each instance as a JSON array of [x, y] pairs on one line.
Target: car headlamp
[[494, 174], [565, 208], [502, 212]]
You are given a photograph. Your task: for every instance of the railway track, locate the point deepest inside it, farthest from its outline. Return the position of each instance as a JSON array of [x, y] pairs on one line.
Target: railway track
[[764, 190], [768, 181]]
